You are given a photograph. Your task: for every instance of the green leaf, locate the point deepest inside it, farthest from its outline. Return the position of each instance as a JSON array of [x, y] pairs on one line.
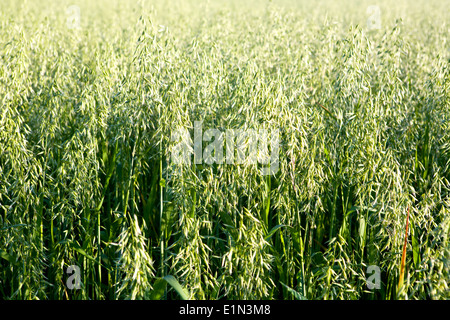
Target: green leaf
[[362, 231], [178, 288], [297, 295], [273, 230], [297, 241], [415, 247], [6, 256], [168, 219], [158, 289]]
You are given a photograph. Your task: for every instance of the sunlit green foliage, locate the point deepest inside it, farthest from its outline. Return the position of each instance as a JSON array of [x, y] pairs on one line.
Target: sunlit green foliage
[[86, 177]]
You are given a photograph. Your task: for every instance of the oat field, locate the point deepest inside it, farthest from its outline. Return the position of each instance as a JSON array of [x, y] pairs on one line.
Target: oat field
[[353, 98]]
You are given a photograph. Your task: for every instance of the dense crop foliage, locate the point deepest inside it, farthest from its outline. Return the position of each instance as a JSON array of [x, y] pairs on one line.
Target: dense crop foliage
[[86, 177]]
